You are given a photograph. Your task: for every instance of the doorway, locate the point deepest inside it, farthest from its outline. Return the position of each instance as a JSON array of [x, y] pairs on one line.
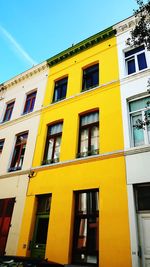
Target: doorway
[[142, 194], [6, 209], [41, 226]]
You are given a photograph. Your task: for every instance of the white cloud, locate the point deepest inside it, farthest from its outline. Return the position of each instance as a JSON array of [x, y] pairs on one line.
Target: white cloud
[[17, 47]]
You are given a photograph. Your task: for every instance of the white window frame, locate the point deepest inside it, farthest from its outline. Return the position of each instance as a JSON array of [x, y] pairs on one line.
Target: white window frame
[[134, 56], [145, 131]]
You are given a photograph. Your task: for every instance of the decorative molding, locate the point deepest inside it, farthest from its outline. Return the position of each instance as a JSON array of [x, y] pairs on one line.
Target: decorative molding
[[25, 75], [125, 25], [82, 46]]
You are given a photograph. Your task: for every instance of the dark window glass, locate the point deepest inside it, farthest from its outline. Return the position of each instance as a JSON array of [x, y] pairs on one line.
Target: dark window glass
[[19, 151], [142, 61], [134, 51], [131, 65], [60, 89], [1, 145], [143, 198], [29, 104], [89, 135], [53, 142], [44, 203], [86, 225], [8, 112], [90, 77], [42, 228]]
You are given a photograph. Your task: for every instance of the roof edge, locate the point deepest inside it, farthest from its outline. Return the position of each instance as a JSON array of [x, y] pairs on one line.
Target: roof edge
[[81, 46]]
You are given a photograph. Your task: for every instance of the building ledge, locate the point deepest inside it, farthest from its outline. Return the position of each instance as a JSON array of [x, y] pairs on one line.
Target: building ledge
[[137, 150]]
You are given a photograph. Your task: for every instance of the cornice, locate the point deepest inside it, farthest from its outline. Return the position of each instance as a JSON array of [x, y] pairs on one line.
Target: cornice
[[25, 75], [137, 150], [125, 25], [81, 46], [15, 173], [135, 76]]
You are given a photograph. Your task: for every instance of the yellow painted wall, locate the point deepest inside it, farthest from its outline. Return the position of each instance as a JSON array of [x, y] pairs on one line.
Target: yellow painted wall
[[105, 173]]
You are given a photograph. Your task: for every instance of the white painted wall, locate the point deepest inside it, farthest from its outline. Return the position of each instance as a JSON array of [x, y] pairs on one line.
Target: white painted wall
[[137, 164], [14, 184]]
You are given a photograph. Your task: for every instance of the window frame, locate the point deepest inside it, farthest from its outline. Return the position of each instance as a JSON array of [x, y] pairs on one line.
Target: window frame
[[58, 86], [89, 127], [8, 111], [21, 148], [88, 73], [91, 216], [54, 137], [31, 97], [134, 56], [138, 112]]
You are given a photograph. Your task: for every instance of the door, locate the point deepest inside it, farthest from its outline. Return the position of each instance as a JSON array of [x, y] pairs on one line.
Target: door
[[38, 245], [142, 194], [144, 236], [6, 209]]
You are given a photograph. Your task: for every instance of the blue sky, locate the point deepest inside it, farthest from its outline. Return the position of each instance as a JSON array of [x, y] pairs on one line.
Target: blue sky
[[33, 30]]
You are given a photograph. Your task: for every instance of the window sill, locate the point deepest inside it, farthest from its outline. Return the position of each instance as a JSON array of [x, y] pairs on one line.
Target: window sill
[[51, 161], [58, 100], [12, 169], [92, 87], [137, 149], [88, 153]]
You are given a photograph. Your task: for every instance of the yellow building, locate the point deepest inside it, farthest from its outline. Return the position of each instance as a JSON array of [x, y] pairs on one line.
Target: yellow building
[[76, 206]]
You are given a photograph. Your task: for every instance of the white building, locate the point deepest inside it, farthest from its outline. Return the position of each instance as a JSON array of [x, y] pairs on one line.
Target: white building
[[20, 104], [134, 66]]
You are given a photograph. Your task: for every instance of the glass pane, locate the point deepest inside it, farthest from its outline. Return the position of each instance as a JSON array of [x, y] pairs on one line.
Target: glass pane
[[82, 203], [84, 141], [138, 134], [134, 51], [44, 203], [42, 228], [138, 104], [131, 65], [82, 236], [90, 118], [50, 149], [143, 198], [57, 148], [54, 129], [94, 138], [142, 61]]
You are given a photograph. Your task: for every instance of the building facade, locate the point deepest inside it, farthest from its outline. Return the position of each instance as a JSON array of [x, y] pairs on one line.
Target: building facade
[[20, 104], [134, 66], [76, 209]]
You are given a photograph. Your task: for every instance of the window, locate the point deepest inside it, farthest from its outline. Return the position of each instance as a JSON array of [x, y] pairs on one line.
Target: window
[[139, 111], [8, 112], [89, 135], [19, 151], [53, 142], [135, 60], [90, 77], [60, 89], [1, 145], [86, 227], [142, 194], [29, 104]]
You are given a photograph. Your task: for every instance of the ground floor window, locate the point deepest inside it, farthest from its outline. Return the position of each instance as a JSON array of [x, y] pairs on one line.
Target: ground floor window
[[86, 227]]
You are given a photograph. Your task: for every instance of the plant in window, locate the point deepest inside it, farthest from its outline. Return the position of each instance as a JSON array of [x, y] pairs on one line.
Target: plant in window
[[141, 124]]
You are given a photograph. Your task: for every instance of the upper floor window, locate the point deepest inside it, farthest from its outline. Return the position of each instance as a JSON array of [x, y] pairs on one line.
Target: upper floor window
[[135, 60], [8, 111], [89, 135], [29, 104], [60, 89], [90, 77], [1, 145], [140, 121], [53, 142], [19, 151]]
